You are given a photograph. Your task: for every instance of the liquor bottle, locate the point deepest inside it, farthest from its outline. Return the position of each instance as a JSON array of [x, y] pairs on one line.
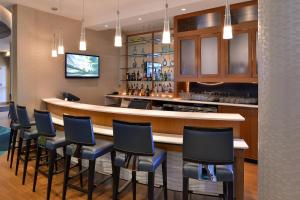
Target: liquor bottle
[[150, 77], [169, 75], [154, 75], [143, 64], [134, 63], [138, 76], [165, 62], [165, 76], [133, 90], [170, 88], [147, 93], [127, 76], [134, 51], [161, 76], [142, 92]]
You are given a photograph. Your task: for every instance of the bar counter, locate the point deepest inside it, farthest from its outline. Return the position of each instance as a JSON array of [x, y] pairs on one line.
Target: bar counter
[[167, 133]]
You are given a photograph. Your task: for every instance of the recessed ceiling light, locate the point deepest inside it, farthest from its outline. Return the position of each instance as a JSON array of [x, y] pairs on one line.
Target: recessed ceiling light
[[140, 19], [106, 26], [183, 9]]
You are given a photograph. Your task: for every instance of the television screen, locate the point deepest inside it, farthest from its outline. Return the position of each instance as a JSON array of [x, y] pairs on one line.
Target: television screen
[[81, 66]]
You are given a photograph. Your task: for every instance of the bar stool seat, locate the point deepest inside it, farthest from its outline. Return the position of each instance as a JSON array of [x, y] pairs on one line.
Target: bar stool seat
[[29, 134], [144, 163], [91, 152], [58, 141], [15, 126], [223, 173]]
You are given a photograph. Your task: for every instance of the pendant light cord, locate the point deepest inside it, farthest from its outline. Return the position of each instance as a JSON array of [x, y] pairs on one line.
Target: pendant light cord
[[83, 10]]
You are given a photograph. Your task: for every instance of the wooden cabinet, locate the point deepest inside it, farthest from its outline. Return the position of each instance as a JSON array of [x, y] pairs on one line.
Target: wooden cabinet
[[202, 55], [249, 128]]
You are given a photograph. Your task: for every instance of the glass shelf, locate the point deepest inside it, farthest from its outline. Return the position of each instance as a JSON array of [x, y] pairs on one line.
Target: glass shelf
[[136, 81]]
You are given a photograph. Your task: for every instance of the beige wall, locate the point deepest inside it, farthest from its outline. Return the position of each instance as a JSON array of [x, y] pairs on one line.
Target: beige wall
[[41, 76]]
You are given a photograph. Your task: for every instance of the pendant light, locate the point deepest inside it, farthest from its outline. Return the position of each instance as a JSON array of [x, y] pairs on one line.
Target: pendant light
[[227, 30], [118, 34], [61, 48], [166, 38], [54, 49], [82, 42]]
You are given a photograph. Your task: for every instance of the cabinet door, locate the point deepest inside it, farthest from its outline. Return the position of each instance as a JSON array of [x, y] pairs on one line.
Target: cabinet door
[[239, 55], [187, 59], [209, 55]]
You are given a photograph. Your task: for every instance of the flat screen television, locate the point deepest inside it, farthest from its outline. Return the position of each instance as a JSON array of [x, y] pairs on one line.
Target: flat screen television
[[81, 66]]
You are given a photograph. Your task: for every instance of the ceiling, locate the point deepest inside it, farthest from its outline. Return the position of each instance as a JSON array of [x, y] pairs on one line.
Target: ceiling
[[101, 14]]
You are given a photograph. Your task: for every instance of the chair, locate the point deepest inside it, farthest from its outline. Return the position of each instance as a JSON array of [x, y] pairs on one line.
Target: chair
[[14, 126], [208, 155], [139, 104], [82, 144], [28, 133], [49, 139], [134, 141]]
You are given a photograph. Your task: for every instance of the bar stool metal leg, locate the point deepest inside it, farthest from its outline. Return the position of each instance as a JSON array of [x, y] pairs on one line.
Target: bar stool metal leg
[[185, 188], [20, 143], [14, 140], [37, 165], [164, 173], [116, 178], [9, 143], [28, 142], [80, 170], [151, 176], [133, 182], [91, 178], [52, 155], [66, 175]]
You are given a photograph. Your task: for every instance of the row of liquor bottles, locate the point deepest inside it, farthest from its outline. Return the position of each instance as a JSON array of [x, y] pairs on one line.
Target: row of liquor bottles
[[145, 90], [158, 75]]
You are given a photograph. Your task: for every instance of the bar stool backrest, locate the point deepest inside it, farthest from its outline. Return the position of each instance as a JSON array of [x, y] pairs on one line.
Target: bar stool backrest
[[44, 123], [139, 104], [23, 117], [12, 112], [134, 138], [79, 130], [208, 145]]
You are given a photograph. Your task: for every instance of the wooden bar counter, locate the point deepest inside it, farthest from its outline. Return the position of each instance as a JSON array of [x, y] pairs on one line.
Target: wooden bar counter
[[167, 126]]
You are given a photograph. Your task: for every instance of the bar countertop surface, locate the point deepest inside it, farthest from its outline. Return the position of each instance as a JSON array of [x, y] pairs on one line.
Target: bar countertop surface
[[147, 113], [179, 100]]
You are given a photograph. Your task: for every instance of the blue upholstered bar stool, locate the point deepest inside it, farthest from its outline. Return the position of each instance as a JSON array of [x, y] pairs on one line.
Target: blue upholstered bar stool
[[208, 155], [49, 139], [14, 126], [28, 133], [82, 144], [134, 141]]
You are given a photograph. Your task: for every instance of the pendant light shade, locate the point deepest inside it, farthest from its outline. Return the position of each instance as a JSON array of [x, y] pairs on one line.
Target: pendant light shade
[[227, 29], [118, 34], [82, 42], [166, 38], [54, 49], [61, 48]]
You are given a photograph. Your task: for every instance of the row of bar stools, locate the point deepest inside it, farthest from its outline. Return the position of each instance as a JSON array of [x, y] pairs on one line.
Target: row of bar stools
[[135, 141], [14, 126], [208, 154], [49, 139], [82, 144], [28, 133]]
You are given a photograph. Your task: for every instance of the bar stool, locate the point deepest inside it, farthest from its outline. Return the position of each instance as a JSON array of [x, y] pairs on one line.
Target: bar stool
[[134, 140], [82, 144], [49, 139], [14, 126], [208, 155], [28, 133]]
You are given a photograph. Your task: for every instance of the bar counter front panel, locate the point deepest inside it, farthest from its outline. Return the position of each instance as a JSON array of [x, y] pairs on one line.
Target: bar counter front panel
[[167, 130]]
